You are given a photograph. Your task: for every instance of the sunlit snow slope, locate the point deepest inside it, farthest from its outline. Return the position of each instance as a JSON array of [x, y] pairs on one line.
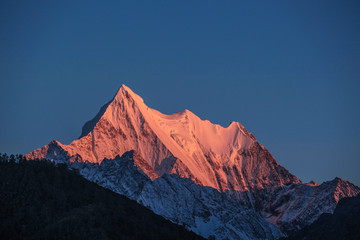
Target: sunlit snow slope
[[181, 143], [237, 189]]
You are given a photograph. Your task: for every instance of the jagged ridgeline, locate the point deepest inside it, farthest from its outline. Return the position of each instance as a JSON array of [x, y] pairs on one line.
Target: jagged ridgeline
[[216, 181], [343, 224], [39, 200]]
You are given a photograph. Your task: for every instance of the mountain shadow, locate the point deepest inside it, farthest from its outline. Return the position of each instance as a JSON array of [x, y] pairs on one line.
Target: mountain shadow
[[39, 200], [342, 225]]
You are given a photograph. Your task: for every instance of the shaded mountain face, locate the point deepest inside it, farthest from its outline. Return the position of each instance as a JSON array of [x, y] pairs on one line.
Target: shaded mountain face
[[203, 210], [228, 160], [294, 206], [344, 223]]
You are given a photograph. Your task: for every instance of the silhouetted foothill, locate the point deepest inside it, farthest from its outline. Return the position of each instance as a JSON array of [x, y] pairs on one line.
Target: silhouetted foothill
[[39, 200]]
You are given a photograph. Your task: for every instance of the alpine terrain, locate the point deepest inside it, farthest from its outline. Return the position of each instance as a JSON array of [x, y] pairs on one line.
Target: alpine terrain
[[218, 182]]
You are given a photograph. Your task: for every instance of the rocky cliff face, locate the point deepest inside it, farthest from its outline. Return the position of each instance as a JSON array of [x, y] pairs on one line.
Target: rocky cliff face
[[294, 206], [178, 150], [344, 223], [203, 210]]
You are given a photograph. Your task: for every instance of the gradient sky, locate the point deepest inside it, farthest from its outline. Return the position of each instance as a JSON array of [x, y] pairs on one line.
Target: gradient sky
[[289, 71]]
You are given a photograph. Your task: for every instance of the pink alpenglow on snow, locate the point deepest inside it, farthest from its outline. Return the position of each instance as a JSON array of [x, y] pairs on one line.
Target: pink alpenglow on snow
[[181, 143], [214, 180]]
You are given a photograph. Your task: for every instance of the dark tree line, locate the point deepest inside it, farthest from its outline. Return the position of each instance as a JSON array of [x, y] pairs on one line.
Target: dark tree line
[[41, 200], [12, 158]]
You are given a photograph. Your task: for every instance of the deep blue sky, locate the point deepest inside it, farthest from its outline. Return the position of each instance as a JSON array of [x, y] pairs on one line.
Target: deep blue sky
[[289, 71]]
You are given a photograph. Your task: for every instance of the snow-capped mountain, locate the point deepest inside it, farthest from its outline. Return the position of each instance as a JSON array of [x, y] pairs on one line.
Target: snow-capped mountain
[[203, 210], [192, 158], [181, 143]]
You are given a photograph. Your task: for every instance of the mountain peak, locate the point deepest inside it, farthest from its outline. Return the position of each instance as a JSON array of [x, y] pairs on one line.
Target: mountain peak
[[125, 92], [179, 143], [181, 149]]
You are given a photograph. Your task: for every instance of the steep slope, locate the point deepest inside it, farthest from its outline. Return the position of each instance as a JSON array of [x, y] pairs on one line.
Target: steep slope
[[203, 210], [294, 206], [181, 143], [208, 212], [41, 201], [228, 160], [343, 224]]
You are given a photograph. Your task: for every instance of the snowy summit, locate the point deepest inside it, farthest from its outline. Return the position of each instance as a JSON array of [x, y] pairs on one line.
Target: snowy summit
[[181, 155]]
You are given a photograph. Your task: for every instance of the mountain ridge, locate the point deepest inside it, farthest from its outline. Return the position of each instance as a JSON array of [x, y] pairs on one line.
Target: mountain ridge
[[229, 160], [184, 144], [342, 224]]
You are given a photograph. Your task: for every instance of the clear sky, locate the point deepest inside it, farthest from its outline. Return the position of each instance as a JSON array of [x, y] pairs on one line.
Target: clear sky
[[289, 71]]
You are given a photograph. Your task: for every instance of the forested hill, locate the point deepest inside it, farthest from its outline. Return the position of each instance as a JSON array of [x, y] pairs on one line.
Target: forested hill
[[39, 200]]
